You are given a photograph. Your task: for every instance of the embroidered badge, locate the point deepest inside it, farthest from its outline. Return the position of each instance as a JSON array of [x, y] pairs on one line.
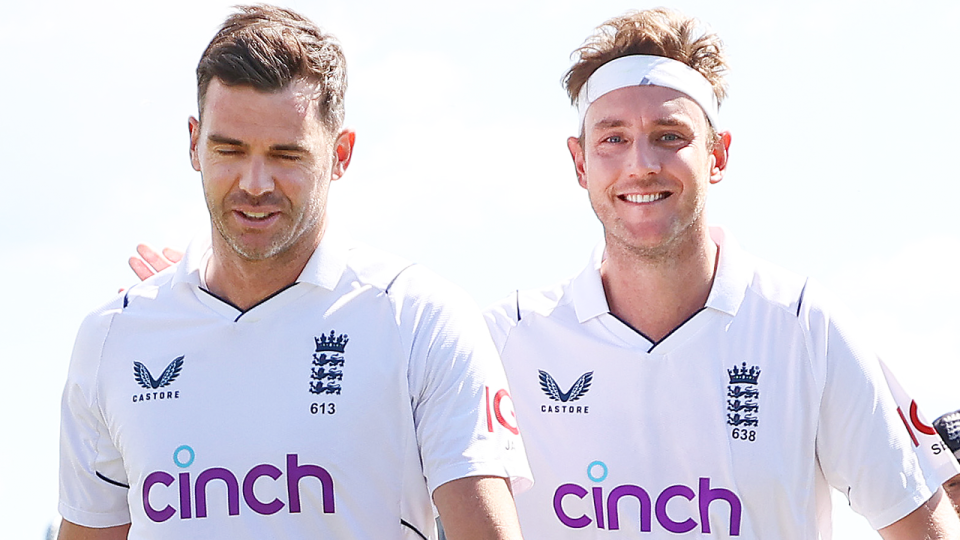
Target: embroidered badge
[[743, 395], [145, 379], [328, 359], [553, 391]]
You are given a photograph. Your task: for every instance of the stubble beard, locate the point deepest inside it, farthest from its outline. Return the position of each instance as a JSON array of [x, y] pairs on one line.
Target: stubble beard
[[679, 238], [305, 220]]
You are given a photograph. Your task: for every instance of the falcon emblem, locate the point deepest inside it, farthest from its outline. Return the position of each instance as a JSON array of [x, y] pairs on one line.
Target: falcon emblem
[[146, 380], [552, 390]]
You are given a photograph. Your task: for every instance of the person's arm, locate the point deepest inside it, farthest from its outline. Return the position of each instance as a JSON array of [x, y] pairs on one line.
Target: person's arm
[[477, 508], [934, 520], [72, 531]]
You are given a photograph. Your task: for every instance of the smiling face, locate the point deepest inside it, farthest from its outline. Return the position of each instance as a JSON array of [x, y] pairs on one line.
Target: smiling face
[[267, 162], [646, 158]]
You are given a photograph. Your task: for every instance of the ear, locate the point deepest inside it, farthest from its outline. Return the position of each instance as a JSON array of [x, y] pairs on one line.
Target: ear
[[343, 152], [576, 152], [721, 155], [194, 126]]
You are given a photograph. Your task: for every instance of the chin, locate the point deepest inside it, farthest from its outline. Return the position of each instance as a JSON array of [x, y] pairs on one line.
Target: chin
[[257, 252]]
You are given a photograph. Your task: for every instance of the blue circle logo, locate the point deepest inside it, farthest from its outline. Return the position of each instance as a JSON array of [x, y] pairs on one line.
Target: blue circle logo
[[184, 448], [593, 466]]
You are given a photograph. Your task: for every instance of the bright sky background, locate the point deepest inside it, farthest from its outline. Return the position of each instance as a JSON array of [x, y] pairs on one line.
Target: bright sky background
[[844, 121]]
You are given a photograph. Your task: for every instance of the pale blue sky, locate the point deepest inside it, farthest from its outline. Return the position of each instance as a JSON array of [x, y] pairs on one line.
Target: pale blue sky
[[844, 121]]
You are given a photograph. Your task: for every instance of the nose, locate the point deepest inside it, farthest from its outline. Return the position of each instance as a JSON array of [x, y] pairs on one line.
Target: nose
[[256, 179], [644, 160]]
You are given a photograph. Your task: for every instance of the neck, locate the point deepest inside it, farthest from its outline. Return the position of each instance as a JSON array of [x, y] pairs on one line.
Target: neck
[[244, 282], [656, 294]]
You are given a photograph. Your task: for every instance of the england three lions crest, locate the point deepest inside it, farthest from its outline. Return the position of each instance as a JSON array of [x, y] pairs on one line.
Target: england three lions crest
[[743, 401], [326, 371]]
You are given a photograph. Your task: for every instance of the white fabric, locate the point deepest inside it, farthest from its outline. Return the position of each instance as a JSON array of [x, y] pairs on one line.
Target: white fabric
[[410, 405], [643, 70], [687, 425]]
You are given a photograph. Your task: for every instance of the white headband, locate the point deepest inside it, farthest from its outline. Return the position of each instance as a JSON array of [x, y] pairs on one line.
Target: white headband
[[642, 70]]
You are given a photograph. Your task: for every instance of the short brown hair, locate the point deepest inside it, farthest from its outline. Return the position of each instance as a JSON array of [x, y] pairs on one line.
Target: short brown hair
[[268, 47], [655, 32]]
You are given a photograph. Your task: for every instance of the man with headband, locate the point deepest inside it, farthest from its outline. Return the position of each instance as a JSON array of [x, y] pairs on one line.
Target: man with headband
[[678, 385], [283, 381]]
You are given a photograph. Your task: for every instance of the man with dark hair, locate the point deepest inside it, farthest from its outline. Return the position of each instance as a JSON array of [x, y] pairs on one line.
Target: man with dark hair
[[678, 386], [282, 381]]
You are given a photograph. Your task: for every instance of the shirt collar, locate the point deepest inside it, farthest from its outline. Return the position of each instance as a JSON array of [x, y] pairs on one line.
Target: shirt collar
[[329, 261], [726, 294], [734, 273], [323, 269], [188, 270], [589, 299]]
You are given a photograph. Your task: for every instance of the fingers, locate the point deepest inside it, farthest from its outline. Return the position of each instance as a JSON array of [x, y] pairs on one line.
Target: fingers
[[150, 262], [172, 255], [140, 268], [154, 259]]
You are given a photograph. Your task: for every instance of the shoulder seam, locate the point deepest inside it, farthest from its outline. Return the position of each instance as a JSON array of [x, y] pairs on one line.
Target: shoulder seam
[[800, 298], [96, 378], [517, 296], [397, 276]]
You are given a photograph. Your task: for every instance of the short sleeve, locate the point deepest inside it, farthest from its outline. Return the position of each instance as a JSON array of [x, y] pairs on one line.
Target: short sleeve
[[463, 413], [501, 318], [93, 483], [865, 447], [933, 453]]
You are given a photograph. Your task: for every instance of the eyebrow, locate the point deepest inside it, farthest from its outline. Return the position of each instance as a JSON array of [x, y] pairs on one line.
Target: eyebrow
[[288, 148], [609, 123], [220, 139], [663, 121]]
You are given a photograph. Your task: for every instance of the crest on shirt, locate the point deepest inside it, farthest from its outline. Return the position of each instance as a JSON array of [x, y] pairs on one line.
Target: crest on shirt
[[328, 360], [146, 380], [154, 386], [743, 397], [553, 391]]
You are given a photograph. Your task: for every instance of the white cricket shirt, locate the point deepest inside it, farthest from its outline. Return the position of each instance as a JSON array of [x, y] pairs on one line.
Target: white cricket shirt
[[333, 409], [733, 426]]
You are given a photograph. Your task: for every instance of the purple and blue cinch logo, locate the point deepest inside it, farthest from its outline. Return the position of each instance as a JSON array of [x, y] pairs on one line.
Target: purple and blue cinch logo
[[606, 507], [193, 493]]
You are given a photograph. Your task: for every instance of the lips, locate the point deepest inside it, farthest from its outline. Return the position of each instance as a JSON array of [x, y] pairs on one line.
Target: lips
[[256, 218], [643, 198], [256, 215]]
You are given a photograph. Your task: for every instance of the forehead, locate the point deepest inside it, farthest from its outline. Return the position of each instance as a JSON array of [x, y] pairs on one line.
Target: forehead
[[242, 110], [645, 106]]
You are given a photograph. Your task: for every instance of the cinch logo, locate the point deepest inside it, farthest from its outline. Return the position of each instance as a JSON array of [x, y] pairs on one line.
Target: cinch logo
[[193, 495], [606, 506]]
